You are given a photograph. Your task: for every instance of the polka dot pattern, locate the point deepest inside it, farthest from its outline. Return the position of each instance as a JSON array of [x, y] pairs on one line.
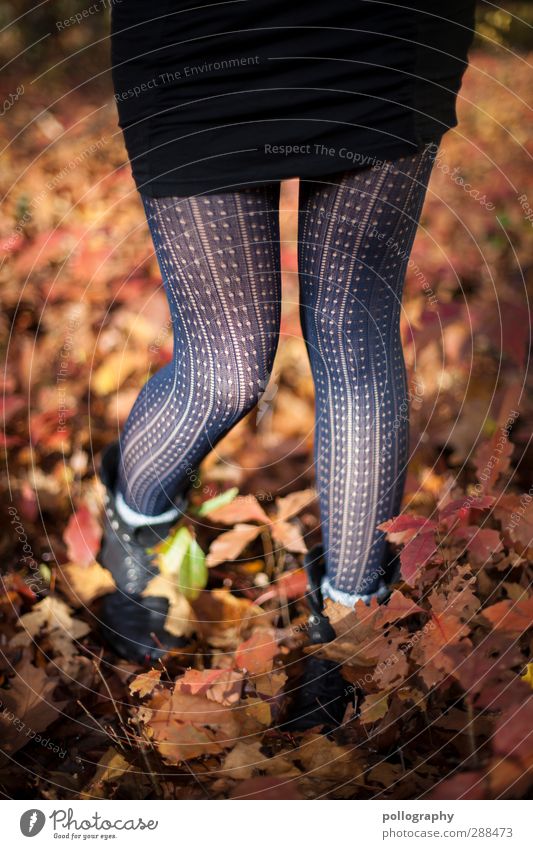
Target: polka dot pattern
[[219, 259], [356, 231]]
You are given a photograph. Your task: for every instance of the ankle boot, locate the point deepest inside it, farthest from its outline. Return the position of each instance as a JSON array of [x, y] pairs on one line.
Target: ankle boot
[[321, 694], [133, 625]]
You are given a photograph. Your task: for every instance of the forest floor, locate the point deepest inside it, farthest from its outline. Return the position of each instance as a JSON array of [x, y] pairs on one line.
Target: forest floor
[[442, 674]]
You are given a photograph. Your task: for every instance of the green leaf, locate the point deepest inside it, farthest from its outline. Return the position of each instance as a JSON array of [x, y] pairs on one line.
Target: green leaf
[[218, 501], [173, 552], [193, 573]]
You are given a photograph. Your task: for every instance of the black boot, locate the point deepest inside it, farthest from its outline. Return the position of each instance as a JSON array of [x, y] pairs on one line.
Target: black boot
[[322, 694], [132, 624]]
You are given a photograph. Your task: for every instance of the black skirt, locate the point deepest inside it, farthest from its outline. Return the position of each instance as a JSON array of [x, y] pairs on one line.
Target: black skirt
[[216, 96]]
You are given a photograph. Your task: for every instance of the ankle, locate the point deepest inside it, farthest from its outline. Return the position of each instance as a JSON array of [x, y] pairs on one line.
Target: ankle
[[138, 520]]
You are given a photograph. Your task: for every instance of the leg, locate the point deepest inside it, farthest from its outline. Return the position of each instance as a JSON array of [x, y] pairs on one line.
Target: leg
[[356, 233], [219, 258]]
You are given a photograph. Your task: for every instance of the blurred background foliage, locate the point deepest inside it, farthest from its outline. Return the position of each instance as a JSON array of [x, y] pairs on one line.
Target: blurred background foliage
[[39, 37]]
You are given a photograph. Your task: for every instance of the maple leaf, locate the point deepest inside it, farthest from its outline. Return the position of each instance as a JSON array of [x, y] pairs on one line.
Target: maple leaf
[[404, 527], [396, 608], [462, 506], [481, 543], [184, 726], [219, 685], [514, 617], [416, 554], [516, 516], [145, 683]]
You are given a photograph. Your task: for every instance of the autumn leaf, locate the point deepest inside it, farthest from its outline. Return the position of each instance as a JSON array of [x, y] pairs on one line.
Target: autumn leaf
[[293, 504], [229, 545], [30, 700], [114, 370], [289, 537], [220, 500], [397, 607], [256, 654], [416, 554], [244, 508], [514, 617], [144, 684], [85, 583], [82, 536], [55, 617], [111, 767]]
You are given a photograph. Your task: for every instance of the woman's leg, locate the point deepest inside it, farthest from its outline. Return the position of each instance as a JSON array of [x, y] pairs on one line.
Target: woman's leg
[[219, 259], [355, 237]]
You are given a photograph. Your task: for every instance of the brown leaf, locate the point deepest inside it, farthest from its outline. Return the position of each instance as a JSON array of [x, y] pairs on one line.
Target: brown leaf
[[514, 617], [244, 760], [293, 504], [374, 707], [86, 583], [289, 537], [396, 608], [243, 508], [27, 706], [229, 545], [55, 617], [111, 767]]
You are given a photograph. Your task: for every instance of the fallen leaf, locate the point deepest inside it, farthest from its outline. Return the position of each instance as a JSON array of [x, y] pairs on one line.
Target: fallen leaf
[[145, 683], [256, 654], [82, 536], [229, 545]]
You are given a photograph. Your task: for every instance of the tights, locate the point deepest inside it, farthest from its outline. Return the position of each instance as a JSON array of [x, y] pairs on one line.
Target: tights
[[220, 263]]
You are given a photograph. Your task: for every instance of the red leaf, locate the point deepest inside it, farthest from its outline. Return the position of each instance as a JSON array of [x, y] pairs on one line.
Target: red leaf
[[407, 523], [82, 537], [416, 554], [467, 503], [292, 584]]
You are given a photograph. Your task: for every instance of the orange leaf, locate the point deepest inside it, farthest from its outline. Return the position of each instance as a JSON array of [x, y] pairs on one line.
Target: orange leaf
[[256, 654]]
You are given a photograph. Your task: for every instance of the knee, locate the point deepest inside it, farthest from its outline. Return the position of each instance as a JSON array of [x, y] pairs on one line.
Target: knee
[[238, 392]]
